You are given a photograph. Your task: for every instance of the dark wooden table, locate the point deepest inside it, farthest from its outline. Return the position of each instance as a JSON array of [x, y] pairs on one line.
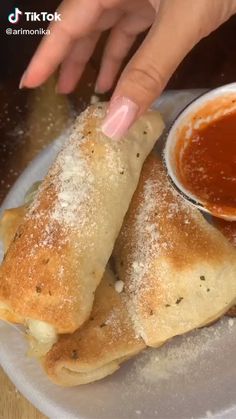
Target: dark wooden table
[[30, 120]]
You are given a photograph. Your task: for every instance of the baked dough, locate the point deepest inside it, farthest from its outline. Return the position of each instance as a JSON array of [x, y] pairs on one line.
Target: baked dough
[[100, 346], [179, 271], [59, 253], [9, 223], [228, 229]]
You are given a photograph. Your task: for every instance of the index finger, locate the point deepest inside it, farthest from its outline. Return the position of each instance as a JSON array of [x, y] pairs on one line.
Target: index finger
[[77, 19]]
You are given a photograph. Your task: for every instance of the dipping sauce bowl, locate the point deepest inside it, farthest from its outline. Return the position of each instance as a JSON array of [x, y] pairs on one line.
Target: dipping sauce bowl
[[200, 152]]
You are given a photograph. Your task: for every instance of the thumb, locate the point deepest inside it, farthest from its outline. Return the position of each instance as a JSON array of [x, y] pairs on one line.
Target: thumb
[[179, 25]]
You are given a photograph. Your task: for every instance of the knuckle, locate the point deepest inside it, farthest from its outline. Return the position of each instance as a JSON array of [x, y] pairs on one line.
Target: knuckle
[[66, 31], [147, 79]]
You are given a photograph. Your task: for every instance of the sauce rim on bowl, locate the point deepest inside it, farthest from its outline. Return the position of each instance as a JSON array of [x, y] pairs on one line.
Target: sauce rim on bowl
[[203, 121]]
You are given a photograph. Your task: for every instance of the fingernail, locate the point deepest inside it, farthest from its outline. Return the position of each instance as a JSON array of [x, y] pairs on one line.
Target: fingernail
[[122, 113], [98, 90], [22, 80]]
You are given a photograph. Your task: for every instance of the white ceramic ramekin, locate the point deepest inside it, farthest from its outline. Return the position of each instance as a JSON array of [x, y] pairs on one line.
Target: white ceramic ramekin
[[208, 107]]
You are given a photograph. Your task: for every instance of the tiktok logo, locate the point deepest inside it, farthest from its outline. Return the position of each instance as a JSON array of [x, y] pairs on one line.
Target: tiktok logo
[[15, 16]]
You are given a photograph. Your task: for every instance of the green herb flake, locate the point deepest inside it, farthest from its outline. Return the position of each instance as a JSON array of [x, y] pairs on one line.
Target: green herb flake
[[38, 289], [179, 300], [74, 355]]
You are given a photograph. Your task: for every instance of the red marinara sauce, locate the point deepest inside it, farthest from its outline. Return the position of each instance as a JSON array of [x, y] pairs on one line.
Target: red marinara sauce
[[207, 164]]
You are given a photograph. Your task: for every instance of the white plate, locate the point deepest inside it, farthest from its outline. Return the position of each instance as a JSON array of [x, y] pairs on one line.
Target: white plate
[[192, 376]]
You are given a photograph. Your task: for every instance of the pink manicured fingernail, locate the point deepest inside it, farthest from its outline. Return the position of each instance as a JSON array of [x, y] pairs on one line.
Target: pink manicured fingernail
[[122, 113], [97, 89], [22, 80]]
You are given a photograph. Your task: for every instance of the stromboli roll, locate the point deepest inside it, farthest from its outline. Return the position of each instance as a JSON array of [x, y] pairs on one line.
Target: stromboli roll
[[99, 347], [58, 255], [178, 273], [179, 270]]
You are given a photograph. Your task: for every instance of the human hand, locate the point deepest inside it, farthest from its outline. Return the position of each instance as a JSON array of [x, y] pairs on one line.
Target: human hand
[[176, 26]]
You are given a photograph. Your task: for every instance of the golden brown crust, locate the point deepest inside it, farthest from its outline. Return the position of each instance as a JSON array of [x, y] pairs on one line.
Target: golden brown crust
[[231, 312], [179, 271], [59, 254], [9, 223], [98, 348], [101, 345], [228, 229]]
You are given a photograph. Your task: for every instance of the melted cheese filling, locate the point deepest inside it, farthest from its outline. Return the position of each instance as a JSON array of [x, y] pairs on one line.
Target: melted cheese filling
[[43, 332]]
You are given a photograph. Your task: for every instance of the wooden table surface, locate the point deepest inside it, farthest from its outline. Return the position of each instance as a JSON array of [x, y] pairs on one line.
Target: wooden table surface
[[12, 404], [30, 120]]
